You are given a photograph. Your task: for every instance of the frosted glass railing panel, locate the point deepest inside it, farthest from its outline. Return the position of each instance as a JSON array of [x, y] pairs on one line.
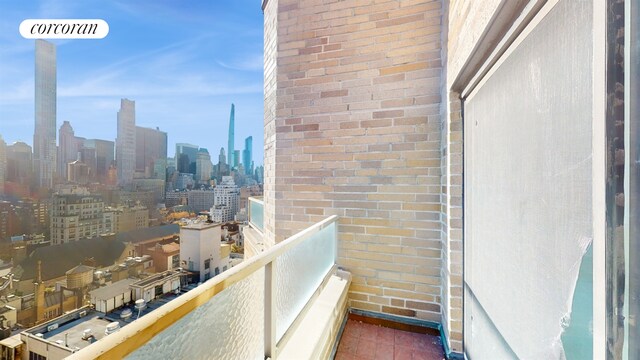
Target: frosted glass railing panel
[[229, 326], [299, 272], [256, 213]]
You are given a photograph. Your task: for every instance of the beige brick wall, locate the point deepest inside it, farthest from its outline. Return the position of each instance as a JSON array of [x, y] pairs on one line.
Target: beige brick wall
[[467, 21], [357, 133], [270, 54], [452, 256]]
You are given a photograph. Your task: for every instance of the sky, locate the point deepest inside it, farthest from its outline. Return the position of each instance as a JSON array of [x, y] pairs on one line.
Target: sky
[[183, 62]]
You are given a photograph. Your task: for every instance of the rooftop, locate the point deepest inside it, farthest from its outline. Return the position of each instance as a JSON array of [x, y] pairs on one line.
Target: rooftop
[[167, 248], [57, 259], [200, 225], [73, 331], [109, 291], [73, 325], [155, 277], [80, 269], [151, 233]]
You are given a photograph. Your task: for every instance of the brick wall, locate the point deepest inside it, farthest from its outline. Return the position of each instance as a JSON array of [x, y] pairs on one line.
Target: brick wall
[[356, 132], [467, 21], [270, 54], [452, 257]]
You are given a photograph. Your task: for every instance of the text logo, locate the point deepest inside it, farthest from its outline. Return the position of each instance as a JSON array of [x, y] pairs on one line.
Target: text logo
[[64, 29]]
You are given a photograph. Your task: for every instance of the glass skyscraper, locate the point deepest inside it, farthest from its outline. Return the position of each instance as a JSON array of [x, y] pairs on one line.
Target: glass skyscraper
[[231, 148], [44, 137], [151, 153], [126, 142], [185, 157], [247, 155]]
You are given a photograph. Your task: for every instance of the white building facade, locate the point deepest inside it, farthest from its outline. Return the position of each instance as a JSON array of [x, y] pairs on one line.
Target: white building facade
[[226, 195], [200, 248]]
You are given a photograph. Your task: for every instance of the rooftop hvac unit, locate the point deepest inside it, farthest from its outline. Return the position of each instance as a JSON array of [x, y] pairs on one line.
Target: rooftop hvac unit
[[83, 313], [112, 327], [86, 334], [140, 304], [52, 327], [125, 314]]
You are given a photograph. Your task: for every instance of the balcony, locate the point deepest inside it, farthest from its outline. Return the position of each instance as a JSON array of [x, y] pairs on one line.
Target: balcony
[[256, 213], [289, 301], [254, 234]]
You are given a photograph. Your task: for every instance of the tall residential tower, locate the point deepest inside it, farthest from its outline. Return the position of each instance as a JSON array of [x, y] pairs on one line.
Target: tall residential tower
[[126, 142], [247, 155], [44, 137], [67, 148], [231, 148]]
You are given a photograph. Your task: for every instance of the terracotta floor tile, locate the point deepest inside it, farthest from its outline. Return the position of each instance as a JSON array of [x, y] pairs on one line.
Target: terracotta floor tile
[[419, 355], [402, 353], [369, 332], [366, 348], [429, 344], [384, 351], [362, 341], [386, 335], [348, 345], [404, 338], [343, 356], [353, 328]]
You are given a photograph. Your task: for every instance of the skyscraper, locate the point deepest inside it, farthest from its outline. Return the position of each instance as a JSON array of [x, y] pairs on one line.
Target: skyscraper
[[104, 156], [19, 158], [236, 158], [203, 166], [126, 142], [185, 156], [247, 155], [67, 148], [44, 137], [151, 153], [231, 147]]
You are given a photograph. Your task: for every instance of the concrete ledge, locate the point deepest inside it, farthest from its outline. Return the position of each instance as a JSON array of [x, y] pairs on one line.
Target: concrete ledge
[[317, 333], [253, 242]]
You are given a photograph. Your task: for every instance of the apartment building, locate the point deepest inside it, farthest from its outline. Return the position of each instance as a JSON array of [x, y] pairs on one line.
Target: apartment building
[[76, 216], [200, 200], [226, 200], [125, 218]]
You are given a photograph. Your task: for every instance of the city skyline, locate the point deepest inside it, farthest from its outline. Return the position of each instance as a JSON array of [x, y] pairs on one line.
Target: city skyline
[[181, 80]]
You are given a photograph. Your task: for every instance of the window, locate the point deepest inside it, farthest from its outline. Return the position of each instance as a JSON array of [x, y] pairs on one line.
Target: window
[[34, 356], [207, 264], [528, 167]]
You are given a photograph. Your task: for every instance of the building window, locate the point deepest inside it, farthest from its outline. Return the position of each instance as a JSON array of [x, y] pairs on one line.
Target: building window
[[207, 264], [34, 356]]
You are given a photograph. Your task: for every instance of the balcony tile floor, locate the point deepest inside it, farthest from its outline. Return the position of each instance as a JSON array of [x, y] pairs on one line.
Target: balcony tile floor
[[362, 341]]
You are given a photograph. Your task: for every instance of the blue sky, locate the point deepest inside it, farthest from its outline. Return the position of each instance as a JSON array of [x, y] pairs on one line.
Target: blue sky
[[183, 62]]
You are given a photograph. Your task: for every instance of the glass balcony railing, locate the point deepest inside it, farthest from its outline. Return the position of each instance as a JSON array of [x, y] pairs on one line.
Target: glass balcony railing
[[246, 312], [256, 213]]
